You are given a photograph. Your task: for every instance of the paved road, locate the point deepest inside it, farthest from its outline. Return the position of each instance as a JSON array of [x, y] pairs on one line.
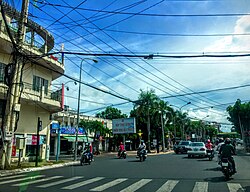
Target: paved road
[[168, 172]]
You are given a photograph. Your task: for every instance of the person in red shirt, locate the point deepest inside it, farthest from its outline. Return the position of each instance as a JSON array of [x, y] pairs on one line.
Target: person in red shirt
[[121, 148], [209, 145]]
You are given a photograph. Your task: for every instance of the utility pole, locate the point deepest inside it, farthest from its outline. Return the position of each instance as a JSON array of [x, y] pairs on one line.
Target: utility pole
[[12, 104]]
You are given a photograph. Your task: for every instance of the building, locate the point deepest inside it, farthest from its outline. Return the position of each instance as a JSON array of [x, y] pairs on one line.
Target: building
[[66, 121], [37, 98]]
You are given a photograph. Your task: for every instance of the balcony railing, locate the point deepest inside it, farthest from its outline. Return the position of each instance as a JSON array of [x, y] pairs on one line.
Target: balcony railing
[[42, 91]]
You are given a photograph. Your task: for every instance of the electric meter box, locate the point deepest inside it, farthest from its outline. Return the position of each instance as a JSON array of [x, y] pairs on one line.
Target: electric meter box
[[20, 143]]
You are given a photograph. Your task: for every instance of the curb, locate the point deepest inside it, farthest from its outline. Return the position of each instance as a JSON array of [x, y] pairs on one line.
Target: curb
[[26, 170]]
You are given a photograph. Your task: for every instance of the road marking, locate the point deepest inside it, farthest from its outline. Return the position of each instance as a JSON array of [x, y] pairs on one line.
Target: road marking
[[59, 182], [168, 186], [26, 178], [200, 187], [37, 181], [13, 176], [234, 187], [136, 185], [108, 185], [83, 183]]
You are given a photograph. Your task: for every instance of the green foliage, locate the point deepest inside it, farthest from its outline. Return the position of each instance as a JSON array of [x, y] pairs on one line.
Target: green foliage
[[239, 115], [111, 113]]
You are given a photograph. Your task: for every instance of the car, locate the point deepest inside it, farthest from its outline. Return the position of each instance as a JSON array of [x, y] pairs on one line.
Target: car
[[182, 147], [239, 141], [197, 148]]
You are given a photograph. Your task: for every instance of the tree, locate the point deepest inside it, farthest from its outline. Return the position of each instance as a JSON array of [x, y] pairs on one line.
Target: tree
[[111, 113], [97, 128], [145, 108], [239, 115]]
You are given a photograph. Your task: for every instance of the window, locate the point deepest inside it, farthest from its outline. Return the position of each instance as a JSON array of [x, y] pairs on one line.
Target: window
[[39, 82], [2, 73]]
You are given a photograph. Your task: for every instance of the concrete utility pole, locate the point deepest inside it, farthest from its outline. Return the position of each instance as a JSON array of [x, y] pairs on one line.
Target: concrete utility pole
[[12, 103]]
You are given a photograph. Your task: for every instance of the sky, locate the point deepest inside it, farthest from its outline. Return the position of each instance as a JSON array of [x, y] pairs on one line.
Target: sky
[[144, 27]]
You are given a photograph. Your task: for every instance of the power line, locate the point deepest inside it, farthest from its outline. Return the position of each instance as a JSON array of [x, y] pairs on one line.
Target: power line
[[150, 14], [208, 91]]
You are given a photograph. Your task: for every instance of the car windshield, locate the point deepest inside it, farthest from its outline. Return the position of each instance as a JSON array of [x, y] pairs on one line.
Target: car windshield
[[184, 143], [197, 144]]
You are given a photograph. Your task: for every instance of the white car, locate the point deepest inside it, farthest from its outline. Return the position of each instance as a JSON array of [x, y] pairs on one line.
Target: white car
[[197, 148]]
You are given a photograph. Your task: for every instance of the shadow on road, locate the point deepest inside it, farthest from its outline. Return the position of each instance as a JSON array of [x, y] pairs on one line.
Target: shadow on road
[[217, 179], [213, 169], [132, 161]]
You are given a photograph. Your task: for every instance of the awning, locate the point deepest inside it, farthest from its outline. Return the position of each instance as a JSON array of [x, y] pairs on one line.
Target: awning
[[81, 138]]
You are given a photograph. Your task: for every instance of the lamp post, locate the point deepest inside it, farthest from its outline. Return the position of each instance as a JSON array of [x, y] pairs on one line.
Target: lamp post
[[78, 106], [203, 131], [162, 131], [183, 122]]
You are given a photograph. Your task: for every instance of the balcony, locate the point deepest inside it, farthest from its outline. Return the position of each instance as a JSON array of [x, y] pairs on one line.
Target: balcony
[[52, 100], [37, 41]]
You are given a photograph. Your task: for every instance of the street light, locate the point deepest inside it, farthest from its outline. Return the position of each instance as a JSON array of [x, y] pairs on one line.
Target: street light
[[78, 105], [203, 135], [183, 122]]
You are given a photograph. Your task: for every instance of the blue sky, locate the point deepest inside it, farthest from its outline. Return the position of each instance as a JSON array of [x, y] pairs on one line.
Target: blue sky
[[167, 76]]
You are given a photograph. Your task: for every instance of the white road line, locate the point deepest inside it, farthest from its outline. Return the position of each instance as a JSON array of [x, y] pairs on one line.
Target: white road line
[[37, 181], [83, 183], [26, 178], [59, 182], [234, 187], [136, 185], [201, 187], [168, 186], [13, 176], [108, 185]]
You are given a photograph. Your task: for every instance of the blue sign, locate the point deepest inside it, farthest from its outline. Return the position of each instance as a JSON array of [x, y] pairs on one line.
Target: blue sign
[[72, 130], [55, 126]]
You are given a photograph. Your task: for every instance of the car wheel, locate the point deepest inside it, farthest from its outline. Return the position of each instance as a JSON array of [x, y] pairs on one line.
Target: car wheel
[[189, 156]]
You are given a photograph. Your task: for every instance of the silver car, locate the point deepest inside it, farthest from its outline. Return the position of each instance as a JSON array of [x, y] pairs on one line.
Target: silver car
[[197, 148]]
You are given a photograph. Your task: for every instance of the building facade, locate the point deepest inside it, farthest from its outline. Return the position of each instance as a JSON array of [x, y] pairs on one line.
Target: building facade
[[66, 121], [37, 99]]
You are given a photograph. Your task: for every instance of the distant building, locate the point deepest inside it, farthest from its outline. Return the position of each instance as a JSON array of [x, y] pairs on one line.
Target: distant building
[[66, 120]]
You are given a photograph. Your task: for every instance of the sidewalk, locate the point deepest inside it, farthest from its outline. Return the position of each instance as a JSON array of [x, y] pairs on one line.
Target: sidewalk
[[71, 162]]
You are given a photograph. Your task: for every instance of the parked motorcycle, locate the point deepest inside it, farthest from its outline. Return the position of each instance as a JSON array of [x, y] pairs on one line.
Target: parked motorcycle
[[85, 159], [210, 154], [142, 154], [122, 154], [227, 168]]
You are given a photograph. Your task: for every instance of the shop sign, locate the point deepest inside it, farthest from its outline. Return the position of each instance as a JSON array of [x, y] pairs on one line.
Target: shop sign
[[72, 130], [32, 140]]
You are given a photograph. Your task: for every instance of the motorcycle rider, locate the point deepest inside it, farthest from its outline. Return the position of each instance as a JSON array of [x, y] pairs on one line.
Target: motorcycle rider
[[88, 151], [141, 147], [121, 148], [227, 151], [209, 146]]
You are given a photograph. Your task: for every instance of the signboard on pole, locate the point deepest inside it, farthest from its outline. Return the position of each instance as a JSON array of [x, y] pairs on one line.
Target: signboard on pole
[[123, 126]]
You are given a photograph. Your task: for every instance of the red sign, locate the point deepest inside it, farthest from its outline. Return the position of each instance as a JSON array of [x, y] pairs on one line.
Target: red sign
[[13, 151]]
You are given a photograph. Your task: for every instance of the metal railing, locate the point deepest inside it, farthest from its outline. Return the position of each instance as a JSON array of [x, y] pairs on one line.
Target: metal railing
[[42, 91], [38, 46]]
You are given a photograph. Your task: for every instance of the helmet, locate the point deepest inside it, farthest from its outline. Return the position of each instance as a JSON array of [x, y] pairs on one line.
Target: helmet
[[220, 140], [208, 141], [227, 141]]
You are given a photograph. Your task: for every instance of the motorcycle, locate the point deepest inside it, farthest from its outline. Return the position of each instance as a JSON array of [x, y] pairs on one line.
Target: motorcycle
[[85, 159], [122, 154], [210, 154], [227, 168], [142, 154]]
